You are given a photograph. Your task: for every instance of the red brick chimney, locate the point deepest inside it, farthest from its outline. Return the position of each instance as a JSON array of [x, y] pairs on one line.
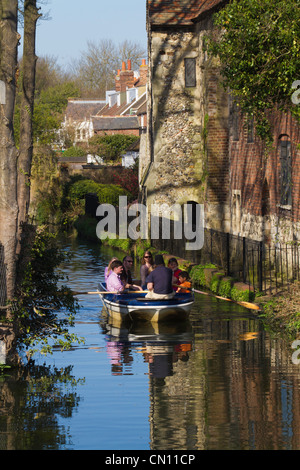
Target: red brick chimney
[[143, 73], [125, 79]]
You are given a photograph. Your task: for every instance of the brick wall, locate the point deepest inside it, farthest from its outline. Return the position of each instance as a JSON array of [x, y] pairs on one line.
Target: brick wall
[[253, 167]]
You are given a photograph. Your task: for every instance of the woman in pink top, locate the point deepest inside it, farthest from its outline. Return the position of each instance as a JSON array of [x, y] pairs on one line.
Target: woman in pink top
[[107, 270]]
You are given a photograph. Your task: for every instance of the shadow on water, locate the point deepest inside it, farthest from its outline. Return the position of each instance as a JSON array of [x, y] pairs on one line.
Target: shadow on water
[[218, 381]]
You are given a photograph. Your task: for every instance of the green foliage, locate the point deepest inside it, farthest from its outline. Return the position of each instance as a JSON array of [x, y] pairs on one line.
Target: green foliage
[[39, 297], [49, 108], [197, 273], [48, 203], [75, 152], [107, 193], [259, 50], [123, 244], [110, 147], [242, 295], [86, 227], [215, 283], [225, 287]]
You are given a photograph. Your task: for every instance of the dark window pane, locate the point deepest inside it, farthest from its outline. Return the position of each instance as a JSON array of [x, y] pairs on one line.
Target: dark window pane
[[286, 173], [190, 72]]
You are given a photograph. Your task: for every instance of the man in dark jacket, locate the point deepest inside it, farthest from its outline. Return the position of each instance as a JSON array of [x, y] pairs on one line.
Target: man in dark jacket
[[159, 281]]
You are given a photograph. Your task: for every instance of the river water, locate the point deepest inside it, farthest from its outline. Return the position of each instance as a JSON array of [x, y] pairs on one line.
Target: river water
[[218, 382]]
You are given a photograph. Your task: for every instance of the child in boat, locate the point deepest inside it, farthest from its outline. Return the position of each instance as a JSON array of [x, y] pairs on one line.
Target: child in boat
[[173, 264], [185, 285]]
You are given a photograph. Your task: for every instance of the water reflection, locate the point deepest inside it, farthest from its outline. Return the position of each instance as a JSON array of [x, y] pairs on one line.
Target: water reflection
[[219, 381], [32, 400], [161, 345]]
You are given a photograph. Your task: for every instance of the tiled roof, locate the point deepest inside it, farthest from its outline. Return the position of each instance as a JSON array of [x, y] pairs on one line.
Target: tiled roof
[[178, 12], [114, 110], [142, 109], [79, 110], [140, 104], [115, 123]]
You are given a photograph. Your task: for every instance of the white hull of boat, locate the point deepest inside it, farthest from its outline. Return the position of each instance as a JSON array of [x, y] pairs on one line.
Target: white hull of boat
[[152, 314]]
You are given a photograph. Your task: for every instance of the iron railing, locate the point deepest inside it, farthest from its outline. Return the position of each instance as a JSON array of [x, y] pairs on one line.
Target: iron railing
[[265, 268]]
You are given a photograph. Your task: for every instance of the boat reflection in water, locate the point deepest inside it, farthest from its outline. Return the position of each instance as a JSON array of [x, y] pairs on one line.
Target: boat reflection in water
[[161, 344]]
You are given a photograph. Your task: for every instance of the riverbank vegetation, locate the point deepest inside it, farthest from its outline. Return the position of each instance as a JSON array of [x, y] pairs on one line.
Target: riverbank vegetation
[[61, 200], [281, 312], [41, 293]]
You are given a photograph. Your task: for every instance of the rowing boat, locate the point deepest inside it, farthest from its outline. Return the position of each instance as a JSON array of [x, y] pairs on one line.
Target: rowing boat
[[135, 306]]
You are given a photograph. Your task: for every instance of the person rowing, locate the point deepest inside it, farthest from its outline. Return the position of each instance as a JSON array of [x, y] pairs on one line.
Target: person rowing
[[159, 281]]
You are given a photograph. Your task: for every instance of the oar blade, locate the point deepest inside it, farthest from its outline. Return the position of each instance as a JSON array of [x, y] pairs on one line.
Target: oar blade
[[242, 303]]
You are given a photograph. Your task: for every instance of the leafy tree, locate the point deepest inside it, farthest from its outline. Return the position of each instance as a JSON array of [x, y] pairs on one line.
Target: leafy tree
[[110, 147], [49, 109], [75, 152], [107, 193], [127, 179], [48, 74], [40, 296], [258, 43]]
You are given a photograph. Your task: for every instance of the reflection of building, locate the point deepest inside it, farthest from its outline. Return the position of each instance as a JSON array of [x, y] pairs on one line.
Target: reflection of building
[[237, 391], [232, 387]]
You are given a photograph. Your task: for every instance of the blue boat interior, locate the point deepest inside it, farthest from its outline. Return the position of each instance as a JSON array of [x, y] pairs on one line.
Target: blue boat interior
[[138, 298]]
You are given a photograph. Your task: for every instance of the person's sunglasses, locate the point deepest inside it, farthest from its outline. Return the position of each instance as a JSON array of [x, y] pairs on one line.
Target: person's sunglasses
[[148, 256]]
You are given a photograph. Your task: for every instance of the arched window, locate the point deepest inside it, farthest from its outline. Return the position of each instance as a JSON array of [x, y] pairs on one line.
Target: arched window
[[285, 171]]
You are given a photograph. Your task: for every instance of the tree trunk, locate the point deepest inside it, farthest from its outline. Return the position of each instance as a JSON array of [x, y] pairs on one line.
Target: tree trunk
[[8, 151], [31, 16]]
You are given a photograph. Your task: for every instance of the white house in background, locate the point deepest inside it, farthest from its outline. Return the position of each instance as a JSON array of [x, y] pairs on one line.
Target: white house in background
[[132, 153], [124, 111], [78, 118], [94, 159]]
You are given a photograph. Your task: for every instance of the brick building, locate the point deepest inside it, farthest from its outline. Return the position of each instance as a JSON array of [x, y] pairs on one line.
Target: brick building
[[200, 148], [125, 109]]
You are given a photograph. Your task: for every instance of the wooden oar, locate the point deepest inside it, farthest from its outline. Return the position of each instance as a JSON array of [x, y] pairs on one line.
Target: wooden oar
[[242, 303], [107, 292]]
